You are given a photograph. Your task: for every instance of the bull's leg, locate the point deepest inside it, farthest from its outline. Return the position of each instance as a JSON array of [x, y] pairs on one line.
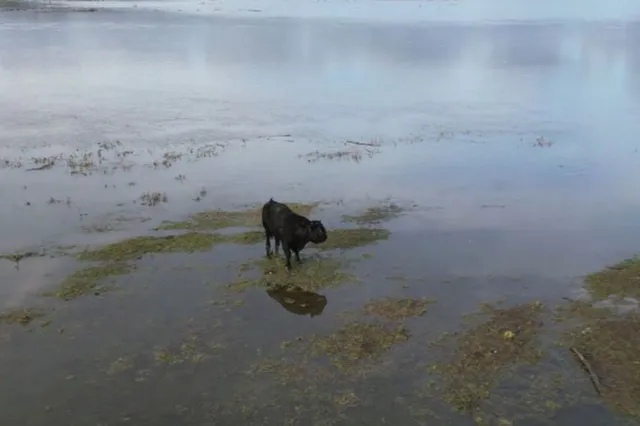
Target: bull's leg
[[297, 252], [287, 253], [267, 245], [277, 244]]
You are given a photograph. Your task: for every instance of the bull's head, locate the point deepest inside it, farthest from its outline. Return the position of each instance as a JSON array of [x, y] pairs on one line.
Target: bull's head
[[316, 232]]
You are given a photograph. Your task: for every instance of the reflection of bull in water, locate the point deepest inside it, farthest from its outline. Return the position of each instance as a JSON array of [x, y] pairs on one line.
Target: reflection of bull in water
[[298, 301]]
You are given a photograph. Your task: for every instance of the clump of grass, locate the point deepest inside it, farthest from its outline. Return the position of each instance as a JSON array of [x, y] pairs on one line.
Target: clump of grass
[[315, 273], [52, 200], [201, 194], [355, 155], [219, 219], [18, 256], [346, 399], [194, 348], [20, 316], [153, 198], [621, 280], [287, 371], [11, 164], [81, 162], [106, 227], [168, 159], [352, 238], [85, 281], [186, 353], [374, 215], [542, 142], [137, 247], [396, 309], [358, 342], [208, 150], [488, 350], [120, 365]]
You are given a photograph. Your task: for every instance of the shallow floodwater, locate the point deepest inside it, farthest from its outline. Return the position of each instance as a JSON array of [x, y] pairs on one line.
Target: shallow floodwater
[[513, 147]]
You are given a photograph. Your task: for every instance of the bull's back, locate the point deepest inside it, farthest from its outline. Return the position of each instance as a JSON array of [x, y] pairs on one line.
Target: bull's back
[[275, 217]]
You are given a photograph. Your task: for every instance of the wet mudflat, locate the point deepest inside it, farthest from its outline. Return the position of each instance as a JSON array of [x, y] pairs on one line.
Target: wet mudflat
[[477, 181]]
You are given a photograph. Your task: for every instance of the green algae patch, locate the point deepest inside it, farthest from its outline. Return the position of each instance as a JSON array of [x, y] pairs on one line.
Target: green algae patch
[[621, 280], [87, 280], [20, 316], [187, 352], [375, 215], [358, 342], [134, 248], [485, 353], [313, 274], [394, 309], [247, 238], [346, 238], [219, 219]]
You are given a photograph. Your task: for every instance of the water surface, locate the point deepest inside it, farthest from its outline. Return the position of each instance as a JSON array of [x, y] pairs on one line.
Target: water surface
[[514, 143]]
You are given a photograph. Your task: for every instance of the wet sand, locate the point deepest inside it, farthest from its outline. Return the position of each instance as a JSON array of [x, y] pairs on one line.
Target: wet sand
[[509, 147]]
